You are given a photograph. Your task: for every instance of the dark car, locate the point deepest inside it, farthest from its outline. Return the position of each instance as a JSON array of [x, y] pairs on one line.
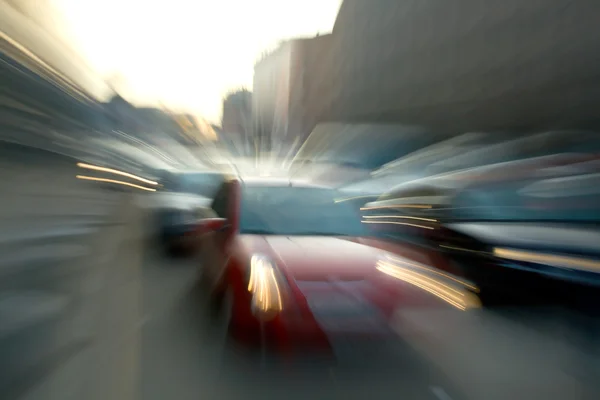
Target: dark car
[[184, 198], [467, 214], [409, 212], [532, 239]]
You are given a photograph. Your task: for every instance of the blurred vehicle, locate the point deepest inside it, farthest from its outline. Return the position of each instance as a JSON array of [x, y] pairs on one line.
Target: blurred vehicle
[[446, 212], [532, 239], [477, 152], [466, 213], [294, 270], [184, 199], [416, 210], [410, 212], [356, 201]]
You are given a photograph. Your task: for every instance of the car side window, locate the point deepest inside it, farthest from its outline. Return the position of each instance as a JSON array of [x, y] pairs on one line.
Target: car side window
[[221, 202]]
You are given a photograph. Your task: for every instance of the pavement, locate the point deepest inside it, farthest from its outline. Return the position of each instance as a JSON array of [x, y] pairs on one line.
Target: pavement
[[69, 266]]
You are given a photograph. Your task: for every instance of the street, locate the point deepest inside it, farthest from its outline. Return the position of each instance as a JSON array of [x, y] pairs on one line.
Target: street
[[91, 307], [141, 330]]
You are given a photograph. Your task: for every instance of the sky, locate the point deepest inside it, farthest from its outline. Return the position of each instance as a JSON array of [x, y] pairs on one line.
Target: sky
[[186, 54]]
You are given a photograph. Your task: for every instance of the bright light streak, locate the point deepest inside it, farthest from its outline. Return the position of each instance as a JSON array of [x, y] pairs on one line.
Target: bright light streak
[[398, 223], [436, 291], [459, 299], [401, 217], [550, 259], [90, 178], [424, 206], [116, 172], [396, 262], [355, 198]]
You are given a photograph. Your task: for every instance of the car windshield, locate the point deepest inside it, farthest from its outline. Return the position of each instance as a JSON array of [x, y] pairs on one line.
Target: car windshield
[[297, 211], [201, 184]]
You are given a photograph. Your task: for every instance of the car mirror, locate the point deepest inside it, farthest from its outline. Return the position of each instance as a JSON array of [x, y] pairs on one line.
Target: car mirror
[[212, 225]]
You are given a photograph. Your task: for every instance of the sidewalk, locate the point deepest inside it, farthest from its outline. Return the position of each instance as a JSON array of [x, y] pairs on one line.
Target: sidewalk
[[44, 199], [70, 297], [104, 319]]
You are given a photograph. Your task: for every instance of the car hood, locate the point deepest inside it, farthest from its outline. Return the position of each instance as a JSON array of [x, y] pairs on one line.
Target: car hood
[[318, 258], [334, 272]]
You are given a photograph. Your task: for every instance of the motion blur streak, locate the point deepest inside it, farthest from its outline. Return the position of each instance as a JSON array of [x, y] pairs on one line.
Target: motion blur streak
[[91, 178], [400, 217], [460, 299], [352, 198], [116, 172], [397, 206], [4, 37], [550, 259], [423, 279], [398, 223], [263, 284], [397, 262], [242, 202]]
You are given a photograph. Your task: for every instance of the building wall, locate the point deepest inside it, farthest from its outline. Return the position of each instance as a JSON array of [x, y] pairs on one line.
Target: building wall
[[237, 119], [237, 113], [288, 91], [271, 92], [466, 64], [308, 82]]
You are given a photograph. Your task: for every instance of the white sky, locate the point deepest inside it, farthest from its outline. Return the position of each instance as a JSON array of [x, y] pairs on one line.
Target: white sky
[[187, 53]]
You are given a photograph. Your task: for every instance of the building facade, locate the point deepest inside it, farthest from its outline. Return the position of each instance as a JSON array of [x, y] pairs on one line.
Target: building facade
[[288, 85], [464, 65], [236, 123], [237, 112]]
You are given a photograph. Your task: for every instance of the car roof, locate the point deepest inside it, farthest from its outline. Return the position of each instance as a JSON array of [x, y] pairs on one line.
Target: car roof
[[198, 172], [280, 182], [507, 170]]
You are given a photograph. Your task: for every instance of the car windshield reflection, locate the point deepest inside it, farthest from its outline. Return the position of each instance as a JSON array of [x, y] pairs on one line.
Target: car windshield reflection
[[297, 211]]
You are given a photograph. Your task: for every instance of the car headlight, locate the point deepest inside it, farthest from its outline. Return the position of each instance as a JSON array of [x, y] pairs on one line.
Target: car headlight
[[265, 285]]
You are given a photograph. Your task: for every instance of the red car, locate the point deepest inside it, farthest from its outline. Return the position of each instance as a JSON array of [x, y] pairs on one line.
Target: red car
[[302, 271]]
